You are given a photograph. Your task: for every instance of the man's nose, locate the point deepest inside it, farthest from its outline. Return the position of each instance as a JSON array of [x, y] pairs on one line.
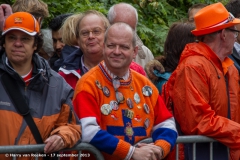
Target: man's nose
[[117, 49]]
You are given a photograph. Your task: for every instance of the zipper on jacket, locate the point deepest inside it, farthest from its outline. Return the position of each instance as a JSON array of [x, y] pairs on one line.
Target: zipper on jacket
[[229, 111]]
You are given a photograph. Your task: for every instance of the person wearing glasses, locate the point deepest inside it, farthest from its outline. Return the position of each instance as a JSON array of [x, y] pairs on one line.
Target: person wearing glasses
[[89, 31], [119, 107], [233, 7], [204, 89]]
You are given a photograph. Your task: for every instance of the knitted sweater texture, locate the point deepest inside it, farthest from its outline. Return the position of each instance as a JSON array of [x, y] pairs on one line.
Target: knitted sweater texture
[[114, 134]]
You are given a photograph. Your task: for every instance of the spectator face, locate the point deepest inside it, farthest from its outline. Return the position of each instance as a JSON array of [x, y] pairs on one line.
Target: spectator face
[[19, 47], [118, 49], [57, 42], [91, 34]]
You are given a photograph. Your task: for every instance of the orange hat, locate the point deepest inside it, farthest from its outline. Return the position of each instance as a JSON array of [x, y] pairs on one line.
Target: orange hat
[[22, 21], [213, 18]]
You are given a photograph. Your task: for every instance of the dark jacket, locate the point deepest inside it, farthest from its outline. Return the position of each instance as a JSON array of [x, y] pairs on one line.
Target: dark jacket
[[49, 99], [236, 58], [56, 62]]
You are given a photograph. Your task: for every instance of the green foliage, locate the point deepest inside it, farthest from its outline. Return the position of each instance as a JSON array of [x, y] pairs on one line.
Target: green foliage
[[155, 16]]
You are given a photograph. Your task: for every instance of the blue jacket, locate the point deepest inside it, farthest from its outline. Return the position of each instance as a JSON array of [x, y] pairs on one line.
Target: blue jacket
[[162, 78]]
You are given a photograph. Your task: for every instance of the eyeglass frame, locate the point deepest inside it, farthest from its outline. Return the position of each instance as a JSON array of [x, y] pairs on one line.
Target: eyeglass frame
[[93, 31], [236, 32]]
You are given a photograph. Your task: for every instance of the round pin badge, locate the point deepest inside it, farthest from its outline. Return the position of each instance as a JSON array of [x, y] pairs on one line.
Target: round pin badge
[[146, 123], [106, 109], [106, 91], [129, 103], [98, 84], [136, 98], [120, 98], [146, 108], [147, 91], [114, 105]]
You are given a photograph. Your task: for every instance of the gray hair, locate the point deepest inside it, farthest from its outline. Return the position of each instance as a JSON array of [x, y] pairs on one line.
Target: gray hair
[[112, 12], [47, 41]]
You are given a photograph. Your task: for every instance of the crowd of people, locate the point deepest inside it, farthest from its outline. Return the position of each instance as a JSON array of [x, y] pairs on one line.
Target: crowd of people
[[89, 78]]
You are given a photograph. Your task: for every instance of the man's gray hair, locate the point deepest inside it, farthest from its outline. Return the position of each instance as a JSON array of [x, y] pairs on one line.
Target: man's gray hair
[[112, 13]]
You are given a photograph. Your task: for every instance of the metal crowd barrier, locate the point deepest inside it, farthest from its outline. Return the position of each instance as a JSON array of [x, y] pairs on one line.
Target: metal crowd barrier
[[190, 139], [35, 150]]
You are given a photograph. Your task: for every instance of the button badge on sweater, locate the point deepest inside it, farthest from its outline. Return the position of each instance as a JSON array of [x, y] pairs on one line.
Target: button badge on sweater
[[106, 109], [136, 98], [146, 108], [114, 105], [146, 123], [120, 98], [106, 91], [98, 84], [147, 91], [128, 113], [130, 103]]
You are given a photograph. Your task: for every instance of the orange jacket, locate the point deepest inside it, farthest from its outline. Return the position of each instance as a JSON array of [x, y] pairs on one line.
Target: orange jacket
[[49, 99], [197, 88]]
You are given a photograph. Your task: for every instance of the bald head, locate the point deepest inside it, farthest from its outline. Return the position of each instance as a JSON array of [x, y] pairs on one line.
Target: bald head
[[120, 26], [123, 12]]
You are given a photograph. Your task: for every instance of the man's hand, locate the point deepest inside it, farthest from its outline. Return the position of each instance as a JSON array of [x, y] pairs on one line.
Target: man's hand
[[53, 143], [5, 11], [147, 152]]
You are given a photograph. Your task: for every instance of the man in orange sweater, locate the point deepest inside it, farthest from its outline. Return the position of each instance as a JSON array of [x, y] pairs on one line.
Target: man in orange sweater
[[118, 107]]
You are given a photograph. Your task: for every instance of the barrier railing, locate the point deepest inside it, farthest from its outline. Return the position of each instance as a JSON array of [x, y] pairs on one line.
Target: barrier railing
[[190, 139], [35, 150]]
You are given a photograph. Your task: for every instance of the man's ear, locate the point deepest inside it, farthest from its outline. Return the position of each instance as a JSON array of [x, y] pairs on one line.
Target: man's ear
[[135, 51], [223, 34]]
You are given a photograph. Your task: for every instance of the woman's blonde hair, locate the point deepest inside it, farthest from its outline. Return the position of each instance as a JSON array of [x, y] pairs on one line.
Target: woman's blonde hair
[[68, 29]]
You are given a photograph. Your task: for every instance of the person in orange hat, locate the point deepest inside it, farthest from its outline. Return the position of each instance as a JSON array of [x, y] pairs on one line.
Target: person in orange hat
[[204, 89], [27, 77]]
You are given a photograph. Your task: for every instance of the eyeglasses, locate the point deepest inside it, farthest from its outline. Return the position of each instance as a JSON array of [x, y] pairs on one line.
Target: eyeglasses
[[236, 32], [95, 32], [119, 96]]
